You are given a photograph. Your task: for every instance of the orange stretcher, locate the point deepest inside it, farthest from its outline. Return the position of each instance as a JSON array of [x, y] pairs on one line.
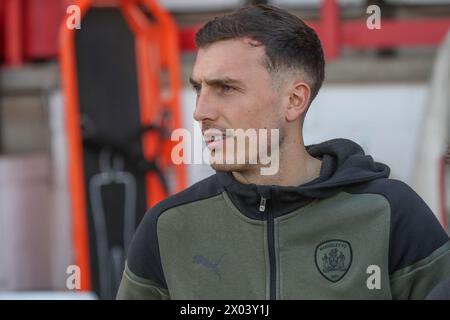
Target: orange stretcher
[[121, 83]]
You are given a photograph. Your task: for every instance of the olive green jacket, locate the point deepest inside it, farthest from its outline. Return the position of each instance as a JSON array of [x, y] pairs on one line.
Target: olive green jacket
[[352, 233]]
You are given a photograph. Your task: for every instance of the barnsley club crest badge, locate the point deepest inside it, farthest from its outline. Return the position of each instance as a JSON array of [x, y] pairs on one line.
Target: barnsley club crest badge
[[333, 259]]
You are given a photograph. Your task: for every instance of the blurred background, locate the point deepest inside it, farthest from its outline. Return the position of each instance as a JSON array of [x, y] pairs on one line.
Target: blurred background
[[86, 115]]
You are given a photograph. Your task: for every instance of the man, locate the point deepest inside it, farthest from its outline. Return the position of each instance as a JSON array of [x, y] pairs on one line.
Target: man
[[329, 224]]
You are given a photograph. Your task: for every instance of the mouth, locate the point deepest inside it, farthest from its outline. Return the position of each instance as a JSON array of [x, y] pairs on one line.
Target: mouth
[[214, 138]]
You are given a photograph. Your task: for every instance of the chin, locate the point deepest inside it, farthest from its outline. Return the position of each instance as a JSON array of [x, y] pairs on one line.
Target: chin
[[229, 167], [218, 163]]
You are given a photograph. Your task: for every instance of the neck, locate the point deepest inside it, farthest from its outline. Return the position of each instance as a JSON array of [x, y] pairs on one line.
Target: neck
[[296, 167]]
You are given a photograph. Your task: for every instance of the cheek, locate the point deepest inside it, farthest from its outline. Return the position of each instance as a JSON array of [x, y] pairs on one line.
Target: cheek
[[244, 112], [267, 114], [254, 112]]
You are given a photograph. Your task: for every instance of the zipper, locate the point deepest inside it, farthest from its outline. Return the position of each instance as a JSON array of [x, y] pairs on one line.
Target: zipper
[[262, 204], [271, 247]]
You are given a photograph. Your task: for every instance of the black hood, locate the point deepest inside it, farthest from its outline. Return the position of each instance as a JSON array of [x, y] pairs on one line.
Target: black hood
[[343, 164]]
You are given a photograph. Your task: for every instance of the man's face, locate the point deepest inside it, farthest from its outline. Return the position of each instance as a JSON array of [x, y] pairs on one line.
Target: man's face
[[234, 91]]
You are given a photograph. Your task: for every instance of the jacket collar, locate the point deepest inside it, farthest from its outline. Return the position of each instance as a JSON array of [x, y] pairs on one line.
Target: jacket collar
[[343, 163]]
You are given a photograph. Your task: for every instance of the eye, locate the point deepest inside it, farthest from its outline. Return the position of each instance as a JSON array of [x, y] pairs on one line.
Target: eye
[[196, 88], [226, 89]]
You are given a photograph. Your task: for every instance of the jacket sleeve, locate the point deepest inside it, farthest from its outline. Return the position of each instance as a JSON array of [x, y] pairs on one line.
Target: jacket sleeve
[[133, 287], [419, 249], [143, 276]]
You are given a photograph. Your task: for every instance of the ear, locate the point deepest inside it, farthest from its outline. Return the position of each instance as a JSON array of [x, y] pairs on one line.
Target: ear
[[299, 96]]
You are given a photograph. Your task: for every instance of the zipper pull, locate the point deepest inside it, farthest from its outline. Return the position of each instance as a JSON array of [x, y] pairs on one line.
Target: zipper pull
[[262, 205]]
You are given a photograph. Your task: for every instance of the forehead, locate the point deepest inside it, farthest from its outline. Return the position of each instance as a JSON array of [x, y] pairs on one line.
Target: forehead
[[229, 58]]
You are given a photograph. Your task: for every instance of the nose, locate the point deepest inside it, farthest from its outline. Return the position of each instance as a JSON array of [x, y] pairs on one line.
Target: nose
[[204, 108]]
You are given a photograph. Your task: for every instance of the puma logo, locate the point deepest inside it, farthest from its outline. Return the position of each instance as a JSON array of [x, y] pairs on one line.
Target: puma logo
[[213, 266]]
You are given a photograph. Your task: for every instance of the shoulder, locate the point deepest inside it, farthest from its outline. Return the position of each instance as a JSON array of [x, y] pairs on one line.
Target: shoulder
[[419, 248], [415, 231], [143, 256], [403, 200], [392, 189], [206, 188]]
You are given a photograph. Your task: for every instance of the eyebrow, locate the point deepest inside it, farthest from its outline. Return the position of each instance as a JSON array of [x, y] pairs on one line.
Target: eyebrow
[[218, 82], [193, 82]]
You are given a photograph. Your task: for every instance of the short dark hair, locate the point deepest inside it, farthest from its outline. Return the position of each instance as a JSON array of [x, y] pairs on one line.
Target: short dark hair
[[289, 42]]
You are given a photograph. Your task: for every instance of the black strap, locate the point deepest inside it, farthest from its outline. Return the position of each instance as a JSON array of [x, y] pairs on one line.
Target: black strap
[[98, 142]]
